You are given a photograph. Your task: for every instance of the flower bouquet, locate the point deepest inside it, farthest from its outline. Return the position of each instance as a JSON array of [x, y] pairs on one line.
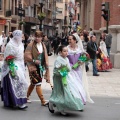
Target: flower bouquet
[[84, 57], [10, 61], [63, 70]]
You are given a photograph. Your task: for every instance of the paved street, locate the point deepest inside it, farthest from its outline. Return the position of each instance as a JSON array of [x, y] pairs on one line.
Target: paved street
[[105, 91]]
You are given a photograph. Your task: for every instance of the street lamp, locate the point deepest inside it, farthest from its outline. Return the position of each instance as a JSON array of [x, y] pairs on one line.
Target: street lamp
[[9, 24], [55, 22], [70, 16], [41, 15], [21, 13]]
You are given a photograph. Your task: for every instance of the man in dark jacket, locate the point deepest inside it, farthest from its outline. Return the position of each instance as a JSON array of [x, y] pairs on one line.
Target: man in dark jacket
[[55, 44], [92, 50], [47, 43], [9, 37]]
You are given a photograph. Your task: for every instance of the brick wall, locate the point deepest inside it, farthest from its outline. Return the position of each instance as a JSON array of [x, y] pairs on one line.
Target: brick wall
[[114, 14], [97, 14]]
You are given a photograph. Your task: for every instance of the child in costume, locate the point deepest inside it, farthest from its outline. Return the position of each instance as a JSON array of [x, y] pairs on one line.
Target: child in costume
[[37, 62], [63, 96]]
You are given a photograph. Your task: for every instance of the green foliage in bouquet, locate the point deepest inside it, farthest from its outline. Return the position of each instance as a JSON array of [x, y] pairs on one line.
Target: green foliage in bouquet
[[84, 57], [10, 61]]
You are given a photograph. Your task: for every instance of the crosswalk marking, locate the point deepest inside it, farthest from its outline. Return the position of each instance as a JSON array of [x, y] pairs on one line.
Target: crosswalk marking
[[117, 103], [37, 100]]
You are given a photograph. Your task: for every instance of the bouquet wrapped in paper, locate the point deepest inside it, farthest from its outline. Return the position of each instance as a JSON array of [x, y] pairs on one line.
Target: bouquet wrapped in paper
[[84, 57], [63, 70], [10, 61]]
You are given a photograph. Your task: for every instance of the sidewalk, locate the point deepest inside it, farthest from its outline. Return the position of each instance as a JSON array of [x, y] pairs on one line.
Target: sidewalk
[[106, 85]]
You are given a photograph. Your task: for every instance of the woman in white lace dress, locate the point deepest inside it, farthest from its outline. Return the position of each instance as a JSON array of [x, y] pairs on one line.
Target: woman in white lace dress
[[14, 83]]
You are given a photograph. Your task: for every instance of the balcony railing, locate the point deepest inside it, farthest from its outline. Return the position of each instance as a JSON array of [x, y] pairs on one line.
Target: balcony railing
[[8, 13]]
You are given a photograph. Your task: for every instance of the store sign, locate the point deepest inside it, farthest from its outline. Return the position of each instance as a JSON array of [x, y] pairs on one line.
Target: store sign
[[2, 22]]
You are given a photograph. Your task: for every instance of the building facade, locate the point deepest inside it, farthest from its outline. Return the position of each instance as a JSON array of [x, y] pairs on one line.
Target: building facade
[[32, 9], [8, 15], [90, 13], [61, 16], [14, 12], [90, 17], [68, 16], [23, 14]]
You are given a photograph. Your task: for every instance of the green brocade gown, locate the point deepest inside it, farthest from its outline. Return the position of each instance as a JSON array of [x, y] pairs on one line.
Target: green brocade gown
[[62, 97]]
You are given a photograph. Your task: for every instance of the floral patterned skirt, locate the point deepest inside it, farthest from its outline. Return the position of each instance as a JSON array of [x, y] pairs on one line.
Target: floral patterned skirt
[[103, 65], [36, 76]]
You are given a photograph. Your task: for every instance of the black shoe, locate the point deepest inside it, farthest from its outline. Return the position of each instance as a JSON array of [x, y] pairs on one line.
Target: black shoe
[[95, 74], [52, 111], [81, 110], [87, 68]]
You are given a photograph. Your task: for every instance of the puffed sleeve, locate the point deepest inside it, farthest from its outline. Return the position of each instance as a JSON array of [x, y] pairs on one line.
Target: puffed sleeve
[[56, 66]]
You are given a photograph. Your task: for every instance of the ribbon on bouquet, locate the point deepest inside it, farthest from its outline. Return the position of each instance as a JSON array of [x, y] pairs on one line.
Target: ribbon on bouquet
[[83, 58], [63, 70], [40, 66], [12, 67], [11, 64]]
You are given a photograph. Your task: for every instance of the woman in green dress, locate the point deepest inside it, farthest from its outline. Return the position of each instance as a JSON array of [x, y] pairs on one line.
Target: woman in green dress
[[63, 96]]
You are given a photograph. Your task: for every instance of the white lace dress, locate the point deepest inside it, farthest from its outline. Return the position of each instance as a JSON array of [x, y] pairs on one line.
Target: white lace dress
[[14, 89]]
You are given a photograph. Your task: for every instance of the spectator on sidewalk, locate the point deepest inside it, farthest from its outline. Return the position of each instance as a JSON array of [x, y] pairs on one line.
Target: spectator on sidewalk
[[84, 38], [9, 37], [4, 43], [1, 40], [92, 50], [108, 41], [25, 40], [55, 44], [47, 43], [103, 61], [91, 32]]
